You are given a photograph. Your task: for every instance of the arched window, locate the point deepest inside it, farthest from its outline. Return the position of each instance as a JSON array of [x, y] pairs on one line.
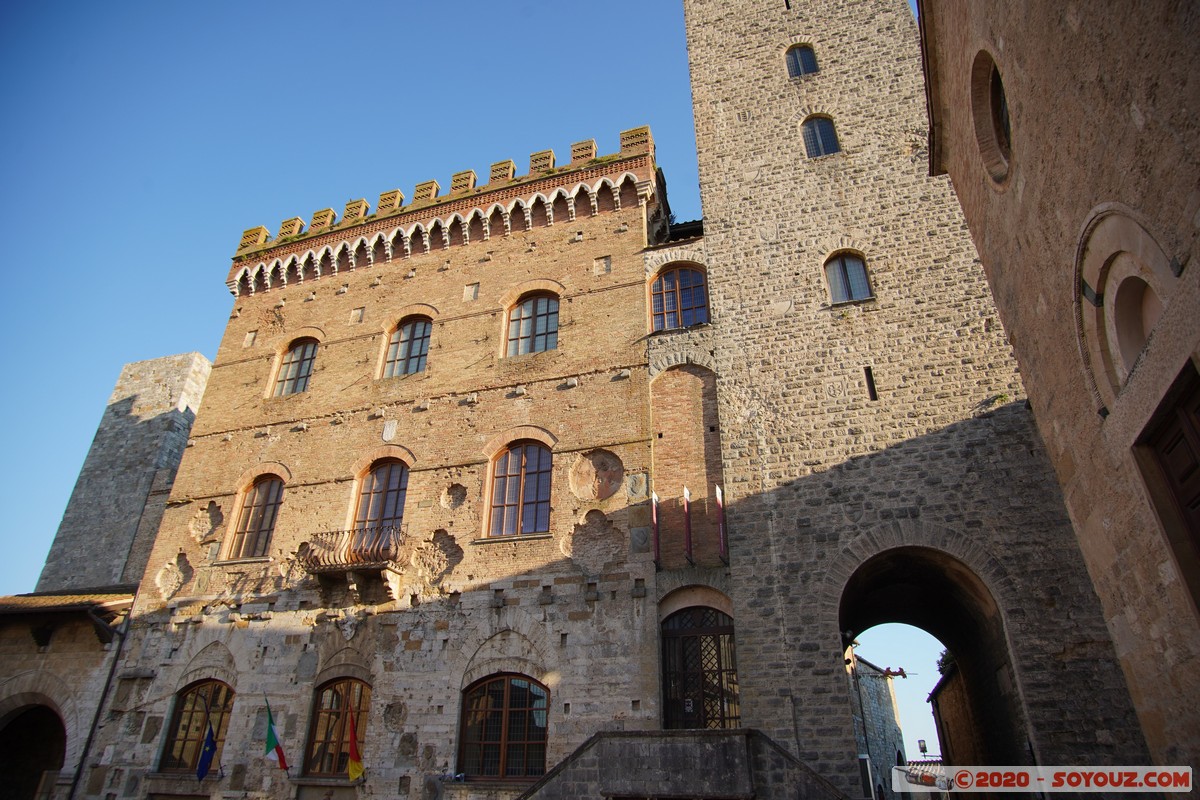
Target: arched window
[[700, 684], [533, 325], [256, 522], [521, 490], [296, 367], [340, 706], [196, 707], [820, 139], [801, 60], [504, 722], [847, 276], [408, 347], [381, 500], [678, 299]]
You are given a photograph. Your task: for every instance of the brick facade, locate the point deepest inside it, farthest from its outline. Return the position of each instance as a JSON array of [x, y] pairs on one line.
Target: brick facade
[[876, 455], [573, 608]]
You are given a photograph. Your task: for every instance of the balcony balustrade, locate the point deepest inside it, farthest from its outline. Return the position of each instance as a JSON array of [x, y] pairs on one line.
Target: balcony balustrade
[[352, 550]]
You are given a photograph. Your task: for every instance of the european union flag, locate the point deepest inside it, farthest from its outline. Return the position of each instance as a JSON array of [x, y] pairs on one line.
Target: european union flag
[[206, 754]]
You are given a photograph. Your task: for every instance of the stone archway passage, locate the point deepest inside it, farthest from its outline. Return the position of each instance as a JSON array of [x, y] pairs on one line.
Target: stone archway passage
[[33, 742], [936, 592]]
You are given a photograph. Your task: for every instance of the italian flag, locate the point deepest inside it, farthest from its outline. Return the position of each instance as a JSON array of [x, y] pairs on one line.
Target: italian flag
[[274, 748]]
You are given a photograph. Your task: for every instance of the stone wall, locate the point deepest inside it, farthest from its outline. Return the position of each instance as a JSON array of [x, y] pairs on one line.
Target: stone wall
[[839, 497], [123, 485], [704, 764], [1094, 202], [876, 722], [58, 663]]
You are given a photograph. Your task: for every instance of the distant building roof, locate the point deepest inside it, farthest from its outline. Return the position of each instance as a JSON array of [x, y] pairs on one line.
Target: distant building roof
[[101, 606]]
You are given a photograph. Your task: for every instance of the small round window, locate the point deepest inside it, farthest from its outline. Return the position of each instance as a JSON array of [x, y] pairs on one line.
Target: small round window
[[989, 107]]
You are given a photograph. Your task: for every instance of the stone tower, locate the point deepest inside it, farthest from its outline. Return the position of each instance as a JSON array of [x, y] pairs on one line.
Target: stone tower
[[113, 515], [880, 460]]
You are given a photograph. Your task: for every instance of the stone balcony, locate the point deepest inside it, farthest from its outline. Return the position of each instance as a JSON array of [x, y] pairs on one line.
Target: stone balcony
[[362, 557]]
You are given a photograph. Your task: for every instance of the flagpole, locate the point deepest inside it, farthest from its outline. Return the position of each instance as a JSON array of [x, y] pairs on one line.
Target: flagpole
[[204, 762], [687, 526], [654, 523]]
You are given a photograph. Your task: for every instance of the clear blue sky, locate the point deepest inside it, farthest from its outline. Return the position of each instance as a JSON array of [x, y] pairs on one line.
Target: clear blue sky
[[141, 138], [916, 652]]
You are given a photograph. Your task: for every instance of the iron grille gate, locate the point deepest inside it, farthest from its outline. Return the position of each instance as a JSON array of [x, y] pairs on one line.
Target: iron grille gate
[[700, 687]]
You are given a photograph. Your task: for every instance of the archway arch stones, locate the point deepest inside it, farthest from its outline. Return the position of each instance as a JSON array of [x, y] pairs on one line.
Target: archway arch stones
[[680, 354], [693, 252], [44, 688], [1003, 586], [509, 640]]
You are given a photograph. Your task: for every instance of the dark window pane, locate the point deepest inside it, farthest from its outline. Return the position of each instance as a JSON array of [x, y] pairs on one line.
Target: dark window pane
[[521, 490], [847, 276], [820, 138], [381, 501], [513, 744], [198, 706], [408, 348], [801, 60], [699, 670], [328, 751], [533, 325], [256, 522], [678, 298]]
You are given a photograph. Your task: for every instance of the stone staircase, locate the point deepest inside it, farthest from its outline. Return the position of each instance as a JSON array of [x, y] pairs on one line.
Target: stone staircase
[[695, 764]]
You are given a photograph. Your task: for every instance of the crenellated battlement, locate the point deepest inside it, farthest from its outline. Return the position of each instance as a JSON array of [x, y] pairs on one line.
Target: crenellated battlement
[[585, 186]]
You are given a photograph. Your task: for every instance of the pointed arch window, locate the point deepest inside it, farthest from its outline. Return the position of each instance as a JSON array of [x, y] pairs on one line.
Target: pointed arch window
[[533, 325], [699, 663], [196, 707], [296, 367], [521, 490], [801, 60], [847, 276], [504, 726], [381, 498], [408, 347], [678, 299], [820, 137], [336, 702], [256, 521]]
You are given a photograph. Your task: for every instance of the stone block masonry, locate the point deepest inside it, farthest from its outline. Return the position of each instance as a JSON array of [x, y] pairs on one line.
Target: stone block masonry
[[123, 485], [877, 453]]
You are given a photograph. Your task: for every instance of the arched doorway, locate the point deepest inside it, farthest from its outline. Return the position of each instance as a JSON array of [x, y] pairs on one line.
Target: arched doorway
[[938, 593], [33, 743], [700, 685]]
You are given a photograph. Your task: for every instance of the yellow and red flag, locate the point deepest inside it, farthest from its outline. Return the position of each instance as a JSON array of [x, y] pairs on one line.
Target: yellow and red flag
[[355, 768]]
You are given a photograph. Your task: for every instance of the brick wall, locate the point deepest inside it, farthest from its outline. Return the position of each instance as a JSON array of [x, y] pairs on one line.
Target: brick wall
[[687, 452], [574, 608]]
